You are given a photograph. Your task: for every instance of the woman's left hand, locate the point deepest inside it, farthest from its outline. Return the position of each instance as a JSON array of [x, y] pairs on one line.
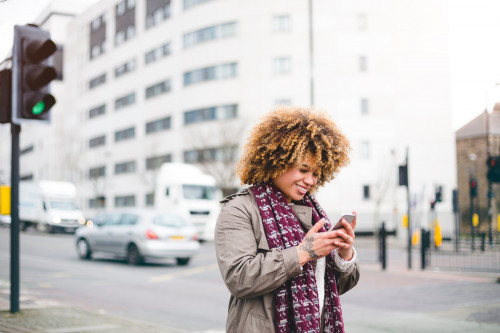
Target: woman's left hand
[[345, 239]]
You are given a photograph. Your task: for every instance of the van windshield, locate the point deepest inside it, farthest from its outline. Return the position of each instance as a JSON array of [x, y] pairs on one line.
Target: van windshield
[[62, 205], [198, 192]]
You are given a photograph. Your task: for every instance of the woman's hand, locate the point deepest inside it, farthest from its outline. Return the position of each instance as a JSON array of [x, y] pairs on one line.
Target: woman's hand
[[344, 239], [317, 245]]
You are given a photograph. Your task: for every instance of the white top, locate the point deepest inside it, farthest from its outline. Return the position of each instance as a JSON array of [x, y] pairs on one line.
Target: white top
[[342, 264]]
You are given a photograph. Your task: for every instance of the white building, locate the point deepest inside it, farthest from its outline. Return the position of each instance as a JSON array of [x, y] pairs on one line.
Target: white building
[[149, 81]]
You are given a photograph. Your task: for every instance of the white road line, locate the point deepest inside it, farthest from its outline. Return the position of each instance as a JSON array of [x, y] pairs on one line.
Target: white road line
[[78, 329], [186, 272]]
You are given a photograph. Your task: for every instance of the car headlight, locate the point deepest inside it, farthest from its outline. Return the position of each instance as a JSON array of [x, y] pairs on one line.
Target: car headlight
[[81, 220], [57, 219]]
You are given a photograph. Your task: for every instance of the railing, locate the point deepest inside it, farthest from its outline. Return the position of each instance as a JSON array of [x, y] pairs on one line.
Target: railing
[[464, 254]]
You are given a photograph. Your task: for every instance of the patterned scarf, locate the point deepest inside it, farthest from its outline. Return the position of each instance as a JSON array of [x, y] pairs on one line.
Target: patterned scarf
[[297, 306]]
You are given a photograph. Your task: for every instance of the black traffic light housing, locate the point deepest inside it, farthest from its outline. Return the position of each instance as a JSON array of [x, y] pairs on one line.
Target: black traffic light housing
[[32, 73], [403, 175], [493, 174], [5, 96], [439, 194], [473, 187]]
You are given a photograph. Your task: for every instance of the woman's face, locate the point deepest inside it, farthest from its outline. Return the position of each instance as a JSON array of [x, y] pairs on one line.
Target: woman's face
[[296, 181]]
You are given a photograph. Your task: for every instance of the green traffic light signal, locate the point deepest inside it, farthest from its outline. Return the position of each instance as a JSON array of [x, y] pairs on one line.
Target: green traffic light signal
[[38, 108]]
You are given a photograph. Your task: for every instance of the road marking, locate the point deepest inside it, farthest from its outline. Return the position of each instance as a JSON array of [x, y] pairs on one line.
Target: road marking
[[186, 272], [77, 329]]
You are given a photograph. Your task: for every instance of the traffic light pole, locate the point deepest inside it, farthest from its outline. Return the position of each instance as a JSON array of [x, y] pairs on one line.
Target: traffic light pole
[[14, 225], [409, 205], [472, 217]]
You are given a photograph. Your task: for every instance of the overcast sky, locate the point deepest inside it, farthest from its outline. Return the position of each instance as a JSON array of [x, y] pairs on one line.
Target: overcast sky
[[474, 50]]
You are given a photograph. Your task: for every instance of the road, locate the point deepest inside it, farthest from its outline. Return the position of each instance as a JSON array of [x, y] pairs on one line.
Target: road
[[194, 298]]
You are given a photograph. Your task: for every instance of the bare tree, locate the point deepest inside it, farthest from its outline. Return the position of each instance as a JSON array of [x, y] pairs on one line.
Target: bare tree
[[217, 150]]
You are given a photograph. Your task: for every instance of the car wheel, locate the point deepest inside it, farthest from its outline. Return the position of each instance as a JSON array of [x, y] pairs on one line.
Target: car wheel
[[83, 249], [133, 255], [182, 261]]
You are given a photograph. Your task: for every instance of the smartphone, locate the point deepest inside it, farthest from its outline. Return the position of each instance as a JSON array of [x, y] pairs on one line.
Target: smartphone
[[348, 217]]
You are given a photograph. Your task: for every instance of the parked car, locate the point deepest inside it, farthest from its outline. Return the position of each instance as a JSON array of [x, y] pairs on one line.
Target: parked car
[[138, 235], [5, 220]]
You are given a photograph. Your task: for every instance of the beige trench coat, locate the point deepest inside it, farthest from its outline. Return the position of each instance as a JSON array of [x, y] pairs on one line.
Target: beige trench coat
[[251, 271]]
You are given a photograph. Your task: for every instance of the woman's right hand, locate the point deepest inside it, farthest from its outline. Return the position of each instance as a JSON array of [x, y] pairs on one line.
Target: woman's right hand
[[315, 245]]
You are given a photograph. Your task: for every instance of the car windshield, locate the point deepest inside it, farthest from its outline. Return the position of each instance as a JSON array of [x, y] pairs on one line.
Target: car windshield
[[168, 220], [198, 192], [62, 205]]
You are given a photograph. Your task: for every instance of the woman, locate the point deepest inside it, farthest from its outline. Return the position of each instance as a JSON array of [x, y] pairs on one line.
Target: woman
[[284, 270]]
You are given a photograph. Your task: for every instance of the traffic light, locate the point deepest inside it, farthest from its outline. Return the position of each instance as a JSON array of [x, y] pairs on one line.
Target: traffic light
[[473, 187], [493, 174], [403, 175], [5, 96], [31, 74], [439, 194]]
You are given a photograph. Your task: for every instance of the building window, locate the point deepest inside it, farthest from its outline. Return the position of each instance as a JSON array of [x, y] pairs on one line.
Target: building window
[[127, 67], [362, 64], [283, 102], [125, 134], [281, 23], [158, 125], [158, 89], [157, 11], [362, 21], [125, 21], [125, 167], [210, 33], [157, 53], [124, 101], [97, 111], [150, 199], [153, 163], [27, 177], [210, 154], [365, 149], [125, 201], [97, 172], [97, 36], [211, 73], [366, 192], [364, 106], [101, 79], [191, 3], [282, 65], [27, 150], [97, 142], [211, 113], [99, 202]]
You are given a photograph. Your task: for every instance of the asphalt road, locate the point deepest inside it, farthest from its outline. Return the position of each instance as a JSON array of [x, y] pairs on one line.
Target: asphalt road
[[194, 298]]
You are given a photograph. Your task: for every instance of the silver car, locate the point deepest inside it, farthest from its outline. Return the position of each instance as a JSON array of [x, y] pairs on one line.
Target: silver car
[[138, 235]]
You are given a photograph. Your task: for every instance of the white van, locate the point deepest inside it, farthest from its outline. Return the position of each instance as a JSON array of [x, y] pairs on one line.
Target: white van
[[49, 206], [187, 191]]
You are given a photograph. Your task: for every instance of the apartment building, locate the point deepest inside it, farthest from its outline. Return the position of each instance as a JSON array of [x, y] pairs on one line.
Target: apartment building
[[153, 81]]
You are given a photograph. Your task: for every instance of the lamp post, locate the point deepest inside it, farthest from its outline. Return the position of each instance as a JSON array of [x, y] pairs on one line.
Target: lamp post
[[473, 193], [490, 194]]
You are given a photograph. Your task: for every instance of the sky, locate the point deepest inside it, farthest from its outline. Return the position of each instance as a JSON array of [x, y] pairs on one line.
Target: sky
[[474, 45]]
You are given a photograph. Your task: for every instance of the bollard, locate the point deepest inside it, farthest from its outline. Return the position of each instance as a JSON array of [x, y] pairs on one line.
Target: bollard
[[383, 253], [483, 237], [425, 244]]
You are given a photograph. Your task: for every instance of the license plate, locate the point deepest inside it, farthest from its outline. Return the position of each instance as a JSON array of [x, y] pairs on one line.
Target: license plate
[[177, 237]]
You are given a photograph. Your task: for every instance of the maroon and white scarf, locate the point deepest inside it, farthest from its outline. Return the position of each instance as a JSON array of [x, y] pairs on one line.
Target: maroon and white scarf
[[296, 301]]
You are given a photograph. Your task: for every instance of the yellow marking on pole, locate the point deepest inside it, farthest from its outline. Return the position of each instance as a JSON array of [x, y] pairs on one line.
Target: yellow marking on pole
[[186, 272], [498, 222], [438, 237], [416, 237], [475, 220], [405, 221], [4, 200]]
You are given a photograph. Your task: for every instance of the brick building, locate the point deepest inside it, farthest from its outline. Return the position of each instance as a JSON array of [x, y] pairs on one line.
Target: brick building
[[472, 152]]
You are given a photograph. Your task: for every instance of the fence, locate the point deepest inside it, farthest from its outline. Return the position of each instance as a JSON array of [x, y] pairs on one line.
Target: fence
[[464, 254]]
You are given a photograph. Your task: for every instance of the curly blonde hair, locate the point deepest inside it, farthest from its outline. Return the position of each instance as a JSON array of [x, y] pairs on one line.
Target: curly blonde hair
[[288, 135]]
